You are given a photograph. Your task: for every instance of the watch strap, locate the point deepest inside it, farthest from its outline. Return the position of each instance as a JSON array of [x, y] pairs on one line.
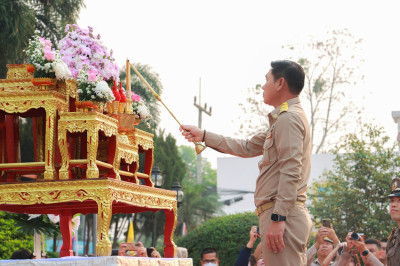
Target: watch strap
[[365, 252], [277, 218]]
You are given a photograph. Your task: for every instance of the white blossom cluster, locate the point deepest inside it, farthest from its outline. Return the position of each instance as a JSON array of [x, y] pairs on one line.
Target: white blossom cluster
[[47, 61], [141, 110]]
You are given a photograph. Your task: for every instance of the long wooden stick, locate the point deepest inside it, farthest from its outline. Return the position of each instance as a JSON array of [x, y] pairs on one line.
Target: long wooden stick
[[153, 92], [198, 146]]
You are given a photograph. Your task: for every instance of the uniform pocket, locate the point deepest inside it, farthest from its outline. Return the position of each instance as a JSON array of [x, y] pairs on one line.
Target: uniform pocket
[[269, 151]]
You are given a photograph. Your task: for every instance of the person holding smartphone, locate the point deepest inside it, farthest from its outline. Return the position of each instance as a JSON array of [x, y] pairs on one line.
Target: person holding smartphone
[[244, 255], [356, 245], [326, 241]]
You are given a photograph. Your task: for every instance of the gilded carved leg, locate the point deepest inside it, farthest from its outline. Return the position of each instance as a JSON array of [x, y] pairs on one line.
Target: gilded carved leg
[[92, 143], [63, 173], [104, 214], [170, 225], [51, 116], [117, 163]]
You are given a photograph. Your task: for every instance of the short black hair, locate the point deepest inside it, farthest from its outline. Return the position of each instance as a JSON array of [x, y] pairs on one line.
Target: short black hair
[[373, 241], [209, 250], [292, 72], [22, 254], [384, 240]]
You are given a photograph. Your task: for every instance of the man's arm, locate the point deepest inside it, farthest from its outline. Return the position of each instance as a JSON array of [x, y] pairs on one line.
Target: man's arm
[[289, 136], [243, 148]]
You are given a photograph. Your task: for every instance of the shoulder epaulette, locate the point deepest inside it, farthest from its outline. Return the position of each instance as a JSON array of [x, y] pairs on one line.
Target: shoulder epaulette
[[284, 107]]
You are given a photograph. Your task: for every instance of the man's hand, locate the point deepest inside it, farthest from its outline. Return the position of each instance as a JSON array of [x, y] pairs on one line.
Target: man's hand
[[360, 245], [141, 251], [350, 243], [192, 133], [253, 237], [275, 232], [332, 235], [122, 249]]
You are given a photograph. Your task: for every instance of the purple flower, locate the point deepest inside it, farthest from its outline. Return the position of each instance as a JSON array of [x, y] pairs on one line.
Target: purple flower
[[66, 28]]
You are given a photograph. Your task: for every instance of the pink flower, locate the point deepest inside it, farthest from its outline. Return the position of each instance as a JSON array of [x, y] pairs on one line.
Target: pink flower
[[49, 56], [66, 28], [92, 75], [135, 97], [47, 43]]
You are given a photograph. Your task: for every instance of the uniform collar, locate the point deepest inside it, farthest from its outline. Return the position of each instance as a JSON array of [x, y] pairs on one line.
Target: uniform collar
[[275, 113]]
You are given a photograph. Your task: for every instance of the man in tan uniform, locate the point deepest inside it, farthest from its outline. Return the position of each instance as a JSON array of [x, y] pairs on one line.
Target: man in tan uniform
[[393, 243], [285, 224]]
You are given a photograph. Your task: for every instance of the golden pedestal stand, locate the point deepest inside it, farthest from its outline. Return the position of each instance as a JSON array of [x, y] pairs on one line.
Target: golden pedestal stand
[[85, 162]]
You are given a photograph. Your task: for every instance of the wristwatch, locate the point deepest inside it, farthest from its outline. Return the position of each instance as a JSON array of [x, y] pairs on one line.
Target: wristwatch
[[277, 218], [365, 252]]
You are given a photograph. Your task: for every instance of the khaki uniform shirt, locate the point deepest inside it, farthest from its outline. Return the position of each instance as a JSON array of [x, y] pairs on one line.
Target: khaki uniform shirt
[[286, 149], [393, 248]]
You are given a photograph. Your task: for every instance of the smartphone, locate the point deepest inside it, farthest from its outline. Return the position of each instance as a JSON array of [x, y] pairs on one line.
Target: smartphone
[[326, 223], [132, 246], [258, 230]]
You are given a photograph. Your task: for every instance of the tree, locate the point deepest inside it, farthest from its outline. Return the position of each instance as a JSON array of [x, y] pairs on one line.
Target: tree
[[354, 193], [138, 87], [228, 234], [19, 20], [11, 238], [17, 25], [254, 112], [332, 70], [201, 200]]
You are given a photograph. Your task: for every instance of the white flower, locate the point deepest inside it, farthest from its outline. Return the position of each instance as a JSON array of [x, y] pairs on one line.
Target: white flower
[[61, 70], [53, 218], [33, 216]]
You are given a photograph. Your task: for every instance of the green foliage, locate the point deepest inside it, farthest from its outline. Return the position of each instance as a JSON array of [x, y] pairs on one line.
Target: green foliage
[[228, 234], [201, 200], [11, 238], [40, 224], [166, 157], [17, 25], [354, 193], [26, 140], [19, 20], [138, 87]]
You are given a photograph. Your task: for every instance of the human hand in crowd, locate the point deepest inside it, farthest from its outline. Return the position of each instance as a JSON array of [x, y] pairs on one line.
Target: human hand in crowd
[[155, 253], [319, 237], [253, 237], [192, 133], [275, 232], [360, 245], [332, 235], [349, 242], [122, 249], [141, 250]]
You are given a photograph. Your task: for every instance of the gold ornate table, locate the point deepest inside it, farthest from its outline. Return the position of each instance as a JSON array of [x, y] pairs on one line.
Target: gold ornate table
[[24, 101], [91, 123], [102, 196]]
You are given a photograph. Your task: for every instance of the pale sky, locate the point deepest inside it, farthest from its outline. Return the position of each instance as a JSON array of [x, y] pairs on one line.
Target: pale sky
[[230, 45]]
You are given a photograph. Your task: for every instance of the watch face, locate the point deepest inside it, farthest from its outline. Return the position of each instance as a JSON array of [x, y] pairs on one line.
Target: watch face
[[274, 217]]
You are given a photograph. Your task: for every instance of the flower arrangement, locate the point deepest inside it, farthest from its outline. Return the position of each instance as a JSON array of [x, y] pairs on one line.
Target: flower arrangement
[[140, 108], [80, 48], [46, 60], [92, 87]]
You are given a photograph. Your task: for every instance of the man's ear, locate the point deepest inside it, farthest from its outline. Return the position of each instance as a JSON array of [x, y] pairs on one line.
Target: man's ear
[[280, 83]]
